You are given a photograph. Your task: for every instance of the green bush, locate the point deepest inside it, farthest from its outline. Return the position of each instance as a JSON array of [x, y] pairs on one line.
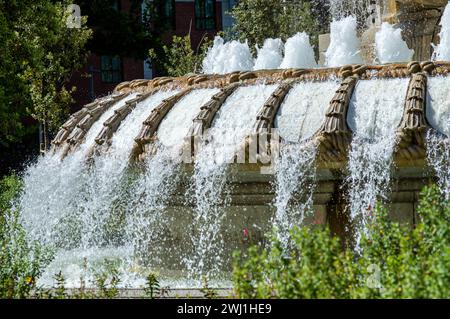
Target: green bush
[[395, 261], [10, 187], [21, 261]]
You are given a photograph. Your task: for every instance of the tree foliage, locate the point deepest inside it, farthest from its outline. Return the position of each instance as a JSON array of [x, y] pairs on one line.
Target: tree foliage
[[179, 58], [39, 53], [396, 261], [257, 20]]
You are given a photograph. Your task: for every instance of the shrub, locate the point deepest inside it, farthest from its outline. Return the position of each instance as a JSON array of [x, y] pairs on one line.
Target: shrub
[[21, 261], [152, 287], [10, 187], [107, 280], [396, 261]]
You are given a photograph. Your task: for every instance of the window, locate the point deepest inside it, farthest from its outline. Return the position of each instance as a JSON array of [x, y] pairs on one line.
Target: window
[[148, 70], [111, 69], [166, 11], [205, 14], [227, 18], [115, 5]]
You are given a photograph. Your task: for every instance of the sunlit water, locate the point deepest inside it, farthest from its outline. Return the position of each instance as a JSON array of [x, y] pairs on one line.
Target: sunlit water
[[270, 55], [390, 46], [209, 190], [438, 141], [298, 52], [442, 50], [345, 46], [374, 114], [299, 117], [225, 57], [70, 204], [303, 110]]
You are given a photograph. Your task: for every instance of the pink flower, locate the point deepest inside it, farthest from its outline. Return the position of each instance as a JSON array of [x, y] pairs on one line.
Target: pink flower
[[317, 220], [369, 209]]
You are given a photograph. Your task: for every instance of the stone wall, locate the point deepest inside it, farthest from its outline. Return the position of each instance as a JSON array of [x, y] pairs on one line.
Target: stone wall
[[248, 218]]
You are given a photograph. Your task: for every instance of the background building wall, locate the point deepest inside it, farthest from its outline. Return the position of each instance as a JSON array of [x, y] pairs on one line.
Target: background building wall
[[88, 80]]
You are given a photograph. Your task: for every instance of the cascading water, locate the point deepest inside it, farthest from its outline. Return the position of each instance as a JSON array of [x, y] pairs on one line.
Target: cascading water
[[375, 111], [175, 126], [108, 178], [227, 57], [298, 52], [340, 9], [303, 110], [438, 155], [438, 141], [45, 206], [79, 205], [390, 46], [149, 223], [442, 51], [299, 117], [270, 55], [294, 187], [344, 43], [223, 141]]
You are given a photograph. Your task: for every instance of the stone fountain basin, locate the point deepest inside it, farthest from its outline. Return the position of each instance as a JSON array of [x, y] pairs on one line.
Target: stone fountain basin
[[252, 194]]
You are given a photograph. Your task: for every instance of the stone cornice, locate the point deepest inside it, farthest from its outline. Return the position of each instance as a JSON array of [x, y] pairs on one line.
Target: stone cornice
[[333, 138]]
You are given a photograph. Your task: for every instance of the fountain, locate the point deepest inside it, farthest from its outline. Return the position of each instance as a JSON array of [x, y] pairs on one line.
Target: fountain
[[167, 175], [174, 174], [270, 55], [420, 22]]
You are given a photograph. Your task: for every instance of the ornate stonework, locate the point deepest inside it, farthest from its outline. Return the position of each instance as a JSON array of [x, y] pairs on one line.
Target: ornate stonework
[[333, 138]]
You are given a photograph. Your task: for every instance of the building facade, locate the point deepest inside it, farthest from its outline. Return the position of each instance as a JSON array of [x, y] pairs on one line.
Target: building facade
[[102, 72]]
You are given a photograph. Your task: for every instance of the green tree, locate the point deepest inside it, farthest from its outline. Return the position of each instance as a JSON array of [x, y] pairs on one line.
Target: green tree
[[10, 187], [257, 20], [179, 58], [39, 53]]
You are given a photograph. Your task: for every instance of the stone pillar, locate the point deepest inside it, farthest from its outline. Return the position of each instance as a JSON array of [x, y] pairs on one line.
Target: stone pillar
[[324, 43], [419, 20]]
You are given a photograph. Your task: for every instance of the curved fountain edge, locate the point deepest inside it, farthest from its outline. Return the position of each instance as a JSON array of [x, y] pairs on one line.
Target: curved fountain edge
[[333, 138]]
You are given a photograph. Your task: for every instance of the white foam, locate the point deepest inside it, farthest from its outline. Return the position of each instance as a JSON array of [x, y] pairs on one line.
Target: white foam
[[270, 55], [227, 57], [303, 109], [299, 53], [390, 46], [344, 43]]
